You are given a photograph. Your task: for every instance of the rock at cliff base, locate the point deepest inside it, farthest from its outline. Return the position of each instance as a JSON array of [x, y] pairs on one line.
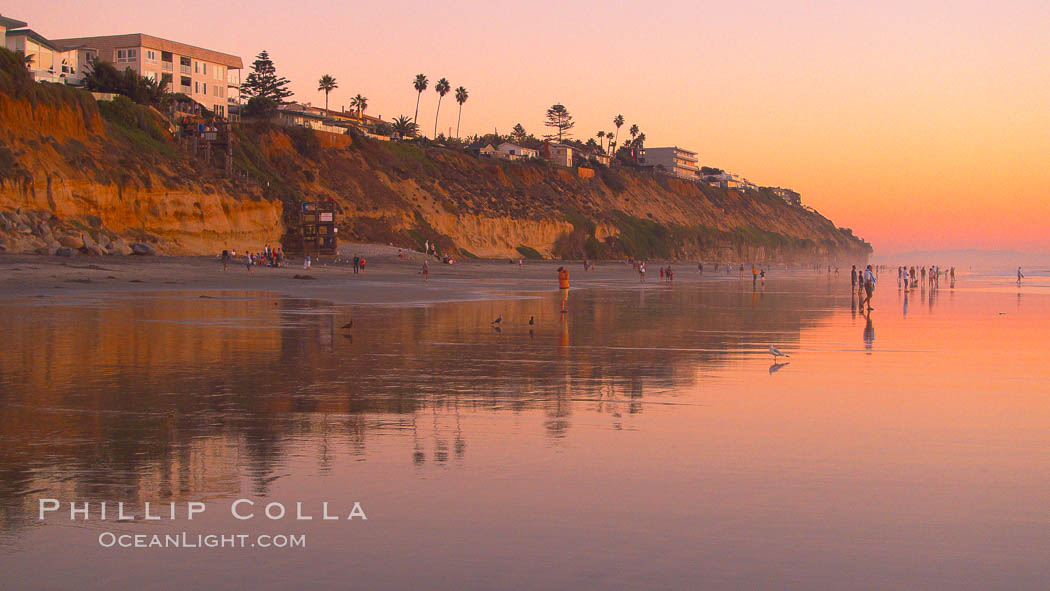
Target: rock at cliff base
[[65, 251], [119, 247], [88, 241], [70, 241], [142, 249]]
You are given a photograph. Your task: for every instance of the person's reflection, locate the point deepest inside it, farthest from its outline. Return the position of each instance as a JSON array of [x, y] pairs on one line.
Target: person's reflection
[[564, 331], [905, 302], [853, 304], [869, 333]]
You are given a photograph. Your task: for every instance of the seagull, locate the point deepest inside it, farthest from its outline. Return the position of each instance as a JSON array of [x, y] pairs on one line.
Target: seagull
[[348, 325], [777, 353], [532, 320], [498, 320]]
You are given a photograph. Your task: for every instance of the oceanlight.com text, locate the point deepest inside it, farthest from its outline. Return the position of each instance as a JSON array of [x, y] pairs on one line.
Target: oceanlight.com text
[[185, 540]]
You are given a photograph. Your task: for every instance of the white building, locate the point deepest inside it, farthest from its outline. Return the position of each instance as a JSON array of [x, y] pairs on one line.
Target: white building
[[680, 162], [559, 154], [48, 60], [515, 152], [7, 24]]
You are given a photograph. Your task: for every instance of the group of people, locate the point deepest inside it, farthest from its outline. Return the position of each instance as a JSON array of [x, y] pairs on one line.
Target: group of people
[[864, 282], [910, 277], [269, 257]]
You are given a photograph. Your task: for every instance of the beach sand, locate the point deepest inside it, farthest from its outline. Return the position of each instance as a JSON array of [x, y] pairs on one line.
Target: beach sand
[[387, 280]]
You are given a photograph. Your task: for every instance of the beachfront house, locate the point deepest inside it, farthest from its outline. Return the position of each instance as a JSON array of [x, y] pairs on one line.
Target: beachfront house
[[789, 196], [203, 74], [559, 154], [516, 152], [7, 24], [488, 151], [676, 161], [49, 61]]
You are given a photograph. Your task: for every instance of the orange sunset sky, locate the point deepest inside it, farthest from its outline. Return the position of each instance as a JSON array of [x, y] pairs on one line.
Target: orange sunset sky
[[921, 125]]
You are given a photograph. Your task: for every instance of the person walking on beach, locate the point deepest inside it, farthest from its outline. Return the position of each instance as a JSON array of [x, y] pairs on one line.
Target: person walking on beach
[[225, 259], [853, 277], [869, 287], [426, 270], [1020, 275], [357, 263], [306, 262], [754, 276], [563, 287], [641, 270], [700, 267], [661, 273]]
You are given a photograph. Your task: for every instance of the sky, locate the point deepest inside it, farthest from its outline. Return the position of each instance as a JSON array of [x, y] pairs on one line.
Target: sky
[[920, 125]]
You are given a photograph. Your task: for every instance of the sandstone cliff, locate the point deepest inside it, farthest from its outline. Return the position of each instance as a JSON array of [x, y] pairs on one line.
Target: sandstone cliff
[[98, 177]]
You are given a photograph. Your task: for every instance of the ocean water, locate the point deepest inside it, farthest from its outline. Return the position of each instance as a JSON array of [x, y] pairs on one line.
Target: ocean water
[[644, 440]]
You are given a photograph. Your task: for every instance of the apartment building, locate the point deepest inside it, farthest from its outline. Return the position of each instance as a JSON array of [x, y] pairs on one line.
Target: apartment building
[[203, 74], [680, 162]]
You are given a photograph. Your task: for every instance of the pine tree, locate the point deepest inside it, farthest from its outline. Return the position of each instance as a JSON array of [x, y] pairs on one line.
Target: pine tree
[[263, 87], [559, 118]]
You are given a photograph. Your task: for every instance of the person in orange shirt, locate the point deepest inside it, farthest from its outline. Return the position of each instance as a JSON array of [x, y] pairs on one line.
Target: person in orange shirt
[[563, 286]]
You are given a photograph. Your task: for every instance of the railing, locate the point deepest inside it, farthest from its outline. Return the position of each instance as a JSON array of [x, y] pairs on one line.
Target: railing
[[185, 69], [167, 66]]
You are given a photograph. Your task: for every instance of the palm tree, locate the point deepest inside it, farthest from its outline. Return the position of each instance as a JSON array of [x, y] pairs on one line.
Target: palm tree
[[404, 126], [420, 84], [442, 87], [360, 103], [326, 84], [618, 122], [638, 143], [633, 131], [461, 97], [601, 144]]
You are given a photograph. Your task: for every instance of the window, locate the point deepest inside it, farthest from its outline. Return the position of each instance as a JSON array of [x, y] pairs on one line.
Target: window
[[196, 67], [217, 72], [204, 87], [185, 81], [151, 56], [197, 87], [204, 68], [216, 90], [167, 79], [220, 110], [130, 54]]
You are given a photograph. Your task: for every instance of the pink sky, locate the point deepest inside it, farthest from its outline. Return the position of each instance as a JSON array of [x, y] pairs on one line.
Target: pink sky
[[919, 125]]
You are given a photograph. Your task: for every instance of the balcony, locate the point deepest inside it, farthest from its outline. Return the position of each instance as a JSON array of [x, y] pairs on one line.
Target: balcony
[[186, 69], [167, 66]]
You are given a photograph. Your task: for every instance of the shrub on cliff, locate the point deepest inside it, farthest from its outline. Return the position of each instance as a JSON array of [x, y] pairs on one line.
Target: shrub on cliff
[[105, 77], [16, 82], [141, 126]]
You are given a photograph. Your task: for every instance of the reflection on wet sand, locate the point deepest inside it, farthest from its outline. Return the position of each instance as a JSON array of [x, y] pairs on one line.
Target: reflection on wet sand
[[176, 396]]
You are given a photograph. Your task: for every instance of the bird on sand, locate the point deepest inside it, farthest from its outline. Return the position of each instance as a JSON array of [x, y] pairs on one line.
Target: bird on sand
[[532, 320], [498, 320], [777, 353], [348, 325]]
